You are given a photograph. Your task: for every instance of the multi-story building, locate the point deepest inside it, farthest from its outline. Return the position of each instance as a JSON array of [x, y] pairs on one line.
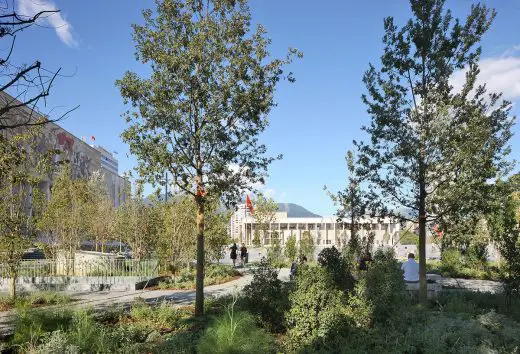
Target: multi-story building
[[84, 159], [326, 231]]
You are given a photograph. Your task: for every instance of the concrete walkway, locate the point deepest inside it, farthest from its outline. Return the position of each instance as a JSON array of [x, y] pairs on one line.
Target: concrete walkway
[[102, 301]]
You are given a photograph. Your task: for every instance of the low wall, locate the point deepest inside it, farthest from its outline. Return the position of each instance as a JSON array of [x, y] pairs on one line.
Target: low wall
[[76, 283]]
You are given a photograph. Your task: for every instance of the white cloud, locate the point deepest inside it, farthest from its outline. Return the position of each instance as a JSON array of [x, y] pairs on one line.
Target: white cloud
[[62, 27], [500, 74]]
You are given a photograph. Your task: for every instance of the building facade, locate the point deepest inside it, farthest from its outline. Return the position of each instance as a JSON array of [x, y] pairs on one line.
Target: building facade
[[326, 231], [84, 159]]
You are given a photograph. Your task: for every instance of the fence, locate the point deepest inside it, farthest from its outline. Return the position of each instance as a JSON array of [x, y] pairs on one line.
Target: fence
[[92, 268]]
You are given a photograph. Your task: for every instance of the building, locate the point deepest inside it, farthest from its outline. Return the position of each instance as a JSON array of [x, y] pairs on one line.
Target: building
[[326, 231], [84, 158]]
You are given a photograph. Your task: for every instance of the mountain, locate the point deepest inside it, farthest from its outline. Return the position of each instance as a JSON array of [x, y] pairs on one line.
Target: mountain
[[296, 211]]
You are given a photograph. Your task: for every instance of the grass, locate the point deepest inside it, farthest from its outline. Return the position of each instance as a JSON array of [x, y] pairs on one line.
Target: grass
[[215, 274], [32, 300], [489, 271]]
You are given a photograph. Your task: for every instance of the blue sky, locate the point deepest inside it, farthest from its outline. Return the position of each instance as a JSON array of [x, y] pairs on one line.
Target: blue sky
[[317, 117]]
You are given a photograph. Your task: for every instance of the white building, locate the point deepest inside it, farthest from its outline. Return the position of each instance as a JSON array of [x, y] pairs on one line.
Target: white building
[[326, 231]]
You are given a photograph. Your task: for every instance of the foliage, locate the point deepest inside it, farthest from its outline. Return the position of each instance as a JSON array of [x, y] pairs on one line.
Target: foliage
[[213, 76], [352, 202], [338, 267], [505, 231], [176, 243], [432, 146], [34, 299], [291, 250], [384, 285], [215, 274], [264, 213], [100, 212], [256, 239], [317, 310], [216, 231], [307, 246], [137, 224], [408, 238], [266, 296], [274, 253], [451, 261], [21, 171], [66, 218], [235, 332]]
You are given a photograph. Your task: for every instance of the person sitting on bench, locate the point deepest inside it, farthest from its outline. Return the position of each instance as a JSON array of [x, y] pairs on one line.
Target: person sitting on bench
[[411, 269]]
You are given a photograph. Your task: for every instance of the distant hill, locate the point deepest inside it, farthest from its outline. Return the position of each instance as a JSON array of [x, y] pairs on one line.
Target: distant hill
[[296, 211]]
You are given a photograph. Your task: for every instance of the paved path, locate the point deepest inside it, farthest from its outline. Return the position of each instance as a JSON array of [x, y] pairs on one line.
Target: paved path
[[100, 301]]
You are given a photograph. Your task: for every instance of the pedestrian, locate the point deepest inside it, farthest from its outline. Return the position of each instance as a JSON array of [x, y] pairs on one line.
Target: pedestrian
[[234, 253], [292, 272], [243, 255]]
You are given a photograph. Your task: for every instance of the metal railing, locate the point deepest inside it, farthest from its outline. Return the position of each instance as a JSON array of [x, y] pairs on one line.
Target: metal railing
[[92, 268]]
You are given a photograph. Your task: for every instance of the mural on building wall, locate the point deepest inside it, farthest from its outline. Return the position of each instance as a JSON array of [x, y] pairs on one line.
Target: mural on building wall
[[81, 156]]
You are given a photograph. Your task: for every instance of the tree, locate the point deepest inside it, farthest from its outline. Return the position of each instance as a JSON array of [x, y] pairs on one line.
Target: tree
[[216, 231], [29, 83], [66, 219], [274, 253], [265, 213], [178, 236], [199, 113], [101, 213], [504, 227], [307, 245], [290, 248], [432, 147], [352, 203], [137, 224], [21, 203]]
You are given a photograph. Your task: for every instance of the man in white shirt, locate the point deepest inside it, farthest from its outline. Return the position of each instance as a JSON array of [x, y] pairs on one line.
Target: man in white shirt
[[411, 269]]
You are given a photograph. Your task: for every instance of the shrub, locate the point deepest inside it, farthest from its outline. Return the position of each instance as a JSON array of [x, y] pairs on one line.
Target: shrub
[[57, 342], [451, 262], [235, 332], [31, 325], [330, 258], [266, 297], [316, 313], [359, 308], [290, 248], [384, 285]]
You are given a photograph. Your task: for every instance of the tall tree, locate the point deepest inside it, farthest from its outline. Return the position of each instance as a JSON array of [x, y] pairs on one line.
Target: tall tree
[[66, 216], [137, 224], [199, 113], [352, 203], [101, 215], [21, 202], [176, 244], [427, 138], [264, 213], [504, 227]]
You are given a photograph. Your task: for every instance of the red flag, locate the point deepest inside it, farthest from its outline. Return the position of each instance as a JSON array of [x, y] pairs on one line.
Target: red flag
[[249, 204], [93, 138]]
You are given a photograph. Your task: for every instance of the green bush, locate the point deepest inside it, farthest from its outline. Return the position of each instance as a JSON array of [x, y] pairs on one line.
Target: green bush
[[30, 325], [317, 311], [384, 285], [235, 332], [267, 297], [57, 342], [337, 266], [451, 261]]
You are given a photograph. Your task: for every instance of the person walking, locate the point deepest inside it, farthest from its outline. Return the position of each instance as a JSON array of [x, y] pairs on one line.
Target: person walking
[[243, 255], [234, 253]]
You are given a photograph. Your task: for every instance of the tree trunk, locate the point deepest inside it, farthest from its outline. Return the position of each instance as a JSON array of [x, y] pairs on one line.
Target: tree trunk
[[422, 243], [12, 287], [199, 293]]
